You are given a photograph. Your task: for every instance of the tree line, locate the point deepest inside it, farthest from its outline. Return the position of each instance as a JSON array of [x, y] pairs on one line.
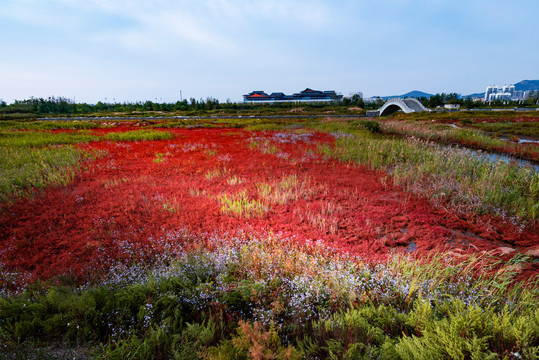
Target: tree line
[[62, 105]]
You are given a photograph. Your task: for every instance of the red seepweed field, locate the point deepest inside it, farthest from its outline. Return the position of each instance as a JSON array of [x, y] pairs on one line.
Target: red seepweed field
[[140, 199], [312, 240]]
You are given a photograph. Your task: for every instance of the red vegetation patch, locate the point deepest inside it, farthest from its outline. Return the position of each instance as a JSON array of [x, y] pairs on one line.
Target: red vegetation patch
[[515, 118], [506, 117], [130, 205]]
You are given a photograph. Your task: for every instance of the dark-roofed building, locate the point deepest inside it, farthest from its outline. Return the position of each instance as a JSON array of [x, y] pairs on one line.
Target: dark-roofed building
[[306, 96]]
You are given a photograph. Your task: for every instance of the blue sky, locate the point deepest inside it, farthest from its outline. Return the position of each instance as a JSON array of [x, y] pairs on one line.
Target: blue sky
[[131, 50]]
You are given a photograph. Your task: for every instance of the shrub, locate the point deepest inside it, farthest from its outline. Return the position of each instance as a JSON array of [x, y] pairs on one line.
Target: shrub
[[253, 342], [371, 125]]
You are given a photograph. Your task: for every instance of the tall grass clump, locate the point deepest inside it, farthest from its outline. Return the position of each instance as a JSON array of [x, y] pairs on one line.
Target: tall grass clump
[[262, 296], [288, 188], [138, 135], [447, 174], [242, 205], [371, 125]]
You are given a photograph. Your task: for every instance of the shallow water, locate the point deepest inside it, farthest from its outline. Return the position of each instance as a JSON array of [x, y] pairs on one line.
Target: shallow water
[[494, 157], [523, 141], [520, 140]]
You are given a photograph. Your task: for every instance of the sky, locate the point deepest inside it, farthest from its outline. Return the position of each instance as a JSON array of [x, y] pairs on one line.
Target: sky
[[164, 50]]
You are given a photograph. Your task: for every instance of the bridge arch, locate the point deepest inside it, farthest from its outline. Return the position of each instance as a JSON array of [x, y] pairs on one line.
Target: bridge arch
[[407, 105]]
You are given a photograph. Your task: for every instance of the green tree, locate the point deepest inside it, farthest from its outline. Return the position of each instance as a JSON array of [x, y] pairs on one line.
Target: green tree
[[468, 103]]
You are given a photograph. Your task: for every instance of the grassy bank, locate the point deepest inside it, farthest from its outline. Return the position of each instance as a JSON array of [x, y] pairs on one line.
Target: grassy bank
[[466, 181], [468, 137], [510, 128], [471, 116]]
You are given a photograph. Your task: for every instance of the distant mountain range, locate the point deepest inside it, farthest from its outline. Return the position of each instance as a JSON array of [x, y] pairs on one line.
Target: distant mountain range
[[524, 85], [414, 94], [475, 95], [527, 85]]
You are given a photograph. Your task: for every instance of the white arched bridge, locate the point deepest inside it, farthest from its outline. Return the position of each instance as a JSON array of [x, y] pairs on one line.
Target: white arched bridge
[[407, 105]]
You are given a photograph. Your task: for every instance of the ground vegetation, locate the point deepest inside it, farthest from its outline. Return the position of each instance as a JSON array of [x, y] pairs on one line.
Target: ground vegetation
[[262, 239]]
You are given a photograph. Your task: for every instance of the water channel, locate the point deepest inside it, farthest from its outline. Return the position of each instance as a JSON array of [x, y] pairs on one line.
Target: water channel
[[495, 157]]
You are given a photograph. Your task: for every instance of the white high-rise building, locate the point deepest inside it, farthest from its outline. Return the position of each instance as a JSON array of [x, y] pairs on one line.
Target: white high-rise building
[[506, 92], [493, 89], [509, 89]]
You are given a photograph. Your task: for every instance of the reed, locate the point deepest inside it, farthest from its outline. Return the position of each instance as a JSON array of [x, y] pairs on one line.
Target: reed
[[242, 205]]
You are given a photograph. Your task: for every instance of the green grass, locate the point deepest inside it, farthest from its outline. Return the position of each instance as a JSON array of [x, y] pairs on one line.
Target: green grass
[[268, 125], [159, 158], [216, 173], [286, 301], [510, 128], [36, 159], [49, 125], [24, 168], [468, 116], [352, 127], [185, 124], [446, 174], [242, 205], [465, 136], [17, 139], [138, 135]]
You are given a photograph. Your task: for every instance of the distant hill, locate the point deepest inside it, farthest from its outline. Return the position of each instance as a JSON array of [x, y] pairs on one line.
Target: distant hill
[[414, 94], [527, 85], [523, 85], [475, 95]]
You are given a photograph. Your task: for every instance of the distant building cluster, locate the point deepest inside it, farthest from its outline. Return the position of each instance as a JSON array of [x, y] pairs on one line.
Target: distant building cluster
[[506, 92], [306, 96]]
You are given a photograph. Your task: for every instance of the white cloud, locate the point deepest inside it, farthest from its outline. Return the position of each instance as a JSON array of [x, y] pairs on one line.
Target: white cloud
[[220, 24], [224, 47]]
